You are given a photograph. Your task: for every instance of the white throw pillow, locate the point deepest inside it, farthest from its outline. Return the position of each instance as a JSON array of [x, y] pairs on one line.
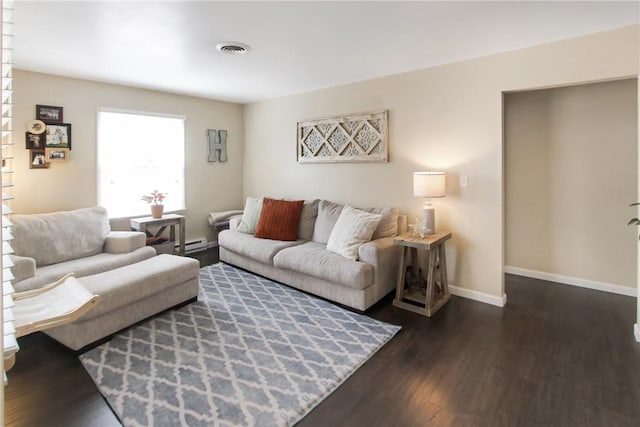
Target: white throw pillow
[[353, 228], [250, 216]]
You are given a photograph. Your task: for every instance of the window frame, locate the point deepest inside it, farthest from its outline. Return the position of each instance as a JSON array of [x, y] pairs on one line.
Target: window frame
[[133, 112]]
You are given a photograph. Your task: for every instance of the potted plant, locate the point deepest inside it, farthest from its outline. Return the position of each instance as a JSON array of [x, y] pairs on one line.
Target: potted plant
[[155, 199]]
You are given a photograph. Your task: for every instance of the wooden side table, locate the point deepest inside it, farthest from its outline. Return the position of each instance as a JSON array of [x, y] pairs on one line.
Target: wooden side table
[[169, 220], [423, 293]]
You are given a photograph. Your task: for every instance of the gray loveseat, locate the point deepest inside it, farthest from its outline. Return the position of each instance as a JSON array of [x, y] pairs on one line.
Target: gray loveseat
[[132, 281], [308, 265], [48, 246]]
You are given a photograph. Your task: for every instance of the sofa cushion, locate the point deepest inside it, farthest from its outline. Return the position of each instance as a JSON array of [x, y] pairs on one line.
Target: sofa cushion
[[353, 228], [279, 219], [250, 216], [328, 213], [315, 260], [83, 267], [308, 219], [123, 286], [262, 250], [388, 226], [60, 236]]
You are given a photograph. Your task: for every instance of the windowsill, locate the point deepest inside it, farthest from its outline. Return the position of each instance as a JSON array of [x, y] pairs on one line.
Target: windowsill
[[127, 218]]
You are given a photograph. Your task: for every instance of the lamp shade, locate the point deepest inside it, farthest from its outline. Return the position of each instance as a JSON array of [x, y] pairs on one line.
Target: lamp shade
[[429, 184]]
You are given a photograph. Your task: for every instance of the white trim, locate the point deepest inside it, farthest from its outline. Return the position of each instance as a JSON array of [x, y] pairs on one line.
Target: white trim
[[102, 109], [478, 296], [212, 244], [573, 281], [636, 331]]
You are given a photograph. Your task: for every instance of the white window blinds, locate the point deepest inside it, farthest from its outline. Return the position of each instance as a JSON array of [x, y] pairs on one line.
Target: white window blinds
[[10, 343]]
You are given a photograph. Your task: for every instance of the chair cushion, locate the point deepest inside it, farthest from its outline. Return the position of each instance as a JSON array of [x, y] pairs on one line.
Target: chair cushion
[[83, 267], [315, 260]]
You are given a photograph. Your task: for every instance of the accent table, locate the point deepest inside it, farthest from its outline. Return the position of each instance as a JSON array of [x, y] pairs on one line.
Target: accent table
[[414, 291], [169, 220]]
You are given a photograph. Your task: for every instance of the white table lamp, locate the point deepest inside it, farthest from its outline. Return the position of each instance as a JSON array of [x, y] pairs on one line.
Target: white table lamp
[[429, 185]]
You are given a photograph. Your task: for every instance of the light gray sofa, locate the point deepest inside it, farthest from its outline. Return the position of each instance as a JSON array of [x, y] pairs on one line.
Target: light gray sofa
[[306, 264], [132, 281]]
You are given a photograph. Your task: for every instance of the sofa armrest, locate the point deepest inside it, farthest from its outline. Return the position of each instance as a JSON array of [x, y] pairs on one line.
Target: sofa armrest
[[122, 242], [23, 268], [384, 257]]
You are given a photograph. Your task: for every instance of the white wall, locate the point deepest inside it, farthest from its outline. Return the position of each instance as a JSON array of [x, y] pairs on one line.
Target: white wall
[[447, 117], [72, 185], [571, 173]]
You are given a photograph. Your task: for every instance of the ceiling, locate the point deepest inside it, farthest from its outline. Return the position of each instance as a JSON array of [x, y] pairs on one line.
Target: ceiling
[[295, 46]]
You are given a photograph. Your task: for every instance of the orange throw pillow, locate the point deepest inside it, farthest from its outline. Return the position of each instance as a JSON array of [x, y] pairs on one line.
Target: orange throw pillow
[[279, 219]]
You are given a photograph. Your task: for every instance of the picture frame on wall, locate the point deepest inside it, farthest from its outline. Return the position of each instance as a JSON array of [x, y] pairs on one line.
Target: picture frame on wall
[[56, 154], [34, 141], [37, 159], [49, 114], [58, 136]]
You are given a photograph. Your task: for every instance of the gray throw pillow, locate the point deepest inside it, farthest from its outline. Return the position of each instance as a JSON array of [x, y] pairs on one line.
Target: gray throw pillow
[[388, 226], [328, 214], [308, 219]]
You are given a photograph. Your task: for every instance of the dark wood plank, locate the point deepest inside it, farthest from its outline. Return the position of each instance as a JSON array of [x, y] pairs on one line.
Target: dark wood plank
[[555, 356]]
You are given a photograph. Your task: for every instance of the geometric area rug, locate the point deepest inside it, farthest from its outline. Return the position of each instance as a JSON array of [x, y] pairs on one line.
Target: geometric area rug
[[249, 352]]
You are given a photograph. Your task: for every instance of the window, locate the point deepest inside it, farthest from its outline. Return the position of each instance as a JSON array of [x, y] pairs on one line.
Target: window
[[139, 153]]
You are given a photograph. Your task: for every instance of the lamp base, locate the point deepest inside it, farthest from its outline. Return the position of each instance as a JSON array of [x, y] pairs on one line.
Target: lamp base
[[429, 219]]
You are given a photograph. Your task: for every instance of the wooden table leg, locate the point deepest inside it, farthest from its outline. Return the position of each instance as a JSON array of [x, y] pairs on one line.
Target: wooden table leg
[[432, 265], [443, 271], [183, 236], [401, 275]]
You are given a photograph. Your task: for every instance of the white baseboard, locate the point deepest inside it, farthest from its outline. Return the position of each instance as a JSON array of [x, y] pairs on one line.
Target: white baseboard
[[636, 331], [573, 281], [478, 296], [212, 244]]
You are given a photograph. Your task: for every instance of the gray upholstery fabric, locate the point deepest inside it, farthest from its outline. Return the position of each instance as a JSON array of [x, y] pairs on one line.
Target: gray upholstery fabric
[[60, 236], [381, 255], [388, 226], [328, 214], [83, 267], [23, 267], [262, 250], [126, 285], [360, 299], [314, 259], [384, 258], [308, 219], [121, 242], [130, 296]]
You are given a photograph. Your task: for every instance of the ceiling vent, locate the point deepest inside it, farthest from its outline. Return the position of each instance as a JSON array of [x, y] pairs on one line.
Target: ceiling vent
[[233, 48]]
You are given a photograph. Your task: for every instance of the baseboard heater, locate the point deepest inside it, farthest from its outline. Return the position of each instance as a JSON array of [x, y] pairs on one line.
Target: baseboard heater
[[197, 245]]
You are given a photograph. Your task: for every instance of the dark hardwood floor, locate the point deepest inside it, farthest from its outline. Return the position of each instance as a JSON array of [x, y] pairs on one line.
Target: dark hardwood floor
[[556, 355]]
